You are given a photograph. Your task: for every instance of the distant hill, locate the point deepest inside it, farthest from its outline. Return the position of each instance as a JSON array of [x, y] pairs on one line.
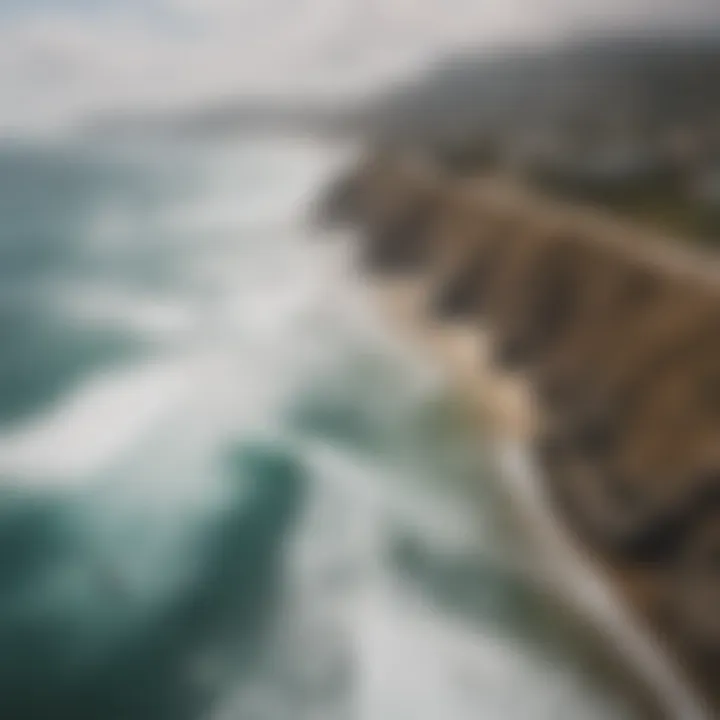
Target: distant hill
[[241, 116], [639, 80]]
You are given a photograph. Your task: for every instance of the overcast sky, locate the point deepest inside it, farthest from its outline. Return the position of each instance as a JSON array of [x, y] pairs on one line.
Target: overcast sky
[[61, 59]]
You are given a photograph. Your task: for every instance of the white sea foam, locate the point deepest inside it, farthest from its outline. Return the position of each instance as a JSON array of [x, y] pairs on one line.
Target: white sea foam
[[97, 424]]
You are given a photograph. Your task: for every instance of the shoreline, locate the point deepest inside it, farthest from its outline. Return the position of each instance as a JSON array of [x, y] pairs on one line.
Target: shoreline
[[616, 600]]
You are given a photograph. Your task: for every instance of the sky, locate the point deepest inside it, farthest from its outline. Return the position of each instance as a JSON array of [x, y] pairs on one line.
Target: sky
[[62, 60]]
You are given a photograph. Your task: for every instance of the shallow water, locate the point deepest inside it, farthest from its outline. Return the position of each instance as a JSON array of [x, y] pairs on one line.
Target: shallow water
[[228, 491]]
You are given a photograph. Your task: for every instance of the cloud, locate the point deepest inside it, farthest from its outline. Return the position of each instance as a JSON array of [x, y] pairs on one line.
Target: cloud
[[56, 66]]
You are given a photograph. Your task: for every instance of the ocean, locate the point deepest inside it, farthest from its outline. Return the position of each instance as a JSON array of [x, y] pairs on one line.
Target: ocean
[[229, 491]]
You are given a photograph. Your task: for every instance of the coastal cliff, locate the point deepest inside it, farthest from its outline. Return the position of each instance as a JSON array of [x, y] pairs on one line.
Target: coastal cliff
[[627, 597]]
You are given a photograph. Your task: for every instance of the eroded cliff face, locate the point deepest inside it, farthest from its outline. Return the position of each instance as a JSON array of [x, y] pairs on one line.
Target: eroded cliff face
[[610, 339]]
